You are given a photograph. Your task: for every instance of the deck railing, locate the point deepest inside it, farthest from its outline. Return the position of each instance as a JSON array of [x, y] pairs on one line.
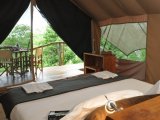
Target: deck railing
[[60, 50]]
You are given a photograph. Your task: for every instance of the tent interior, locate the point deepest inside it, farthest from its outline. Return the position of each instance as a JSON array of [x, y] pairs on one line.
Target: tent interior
[[83, 24], [78, 23]]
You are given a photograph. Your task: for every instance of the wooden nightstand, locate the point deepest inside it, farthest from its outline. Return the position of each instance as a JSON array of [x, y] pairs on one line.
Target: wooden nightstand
[[96, 63]]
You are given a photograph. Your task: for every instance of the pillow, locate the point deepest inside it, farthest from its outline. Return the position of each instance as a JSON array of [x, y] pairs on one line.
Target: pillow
[[80, 111], [100, 112], [155, 89], [104, 74]]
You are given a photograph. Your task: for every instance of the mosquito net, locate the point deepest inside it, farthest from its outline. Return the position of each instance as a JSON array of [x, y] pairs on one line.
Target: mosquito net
[[127, 37]]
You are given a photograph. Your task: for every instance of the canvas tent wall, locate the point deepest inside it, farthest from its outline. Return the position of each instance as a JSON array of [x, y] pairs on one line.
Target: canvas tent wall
[[107, 12], [103, 12]]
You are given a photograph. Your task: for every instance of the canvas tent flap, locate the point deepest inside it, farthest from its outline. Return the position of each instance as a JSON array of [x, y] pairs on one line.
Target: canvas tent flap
[[118, 11], [10, 13], [70, 23], [133, 69]]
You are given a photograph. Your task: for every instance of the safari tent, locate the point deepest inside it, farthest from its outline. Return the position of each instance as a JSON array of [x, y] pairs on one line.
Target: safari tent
[[81, 24], [78, 23]]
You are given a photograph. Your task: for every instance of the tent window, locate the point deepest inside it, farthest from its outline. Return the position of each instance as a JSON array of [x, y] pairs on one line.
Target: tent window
[[126, 41]]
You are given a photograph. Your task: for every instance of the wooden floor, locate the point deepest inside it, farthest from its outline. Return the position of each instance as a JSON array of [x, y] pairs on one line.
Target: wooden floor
[[8, 81], [48, 74]]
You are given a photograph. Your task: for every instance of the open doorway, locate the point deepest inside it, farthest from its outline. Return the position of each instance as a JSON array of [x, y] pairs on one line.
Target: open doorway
[[55, 50]]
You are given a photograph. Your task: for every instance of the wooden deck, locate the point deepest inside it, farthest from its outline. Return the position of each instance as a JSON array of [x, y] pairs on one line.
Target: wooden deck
[[48, 74], [59, 72]]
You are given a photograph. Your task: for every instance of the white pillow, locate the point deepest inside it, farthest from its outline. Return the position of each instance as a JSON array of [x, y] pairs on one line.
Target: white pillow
[[155, 89], [105, 74], [80, 111]]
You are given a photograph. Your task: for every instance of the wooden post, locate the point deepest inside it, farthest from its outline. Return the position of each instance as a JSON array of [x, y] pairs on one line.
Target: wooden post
[[96, 37], [59, 54], [31, 41], [62, 53]]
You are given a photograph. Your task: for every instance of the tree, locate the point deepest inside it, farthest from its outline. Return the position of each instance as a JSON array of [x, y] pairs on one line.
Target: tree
[[50, 53], [20, 34]]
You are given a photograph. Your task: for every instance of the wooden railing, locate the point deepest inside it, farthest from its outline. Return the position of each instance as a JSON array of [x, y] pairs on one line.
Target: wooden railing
[[60, 46]]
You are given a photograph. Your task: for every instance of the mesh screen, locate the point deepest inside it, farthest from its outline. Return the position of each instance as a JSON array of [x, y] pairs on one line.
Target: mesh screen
[[127, 37]]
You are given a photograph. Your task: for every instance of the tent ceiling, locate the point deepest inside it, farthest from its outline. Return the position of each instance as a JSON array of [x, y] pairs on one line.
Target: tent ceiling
[[109, 11]]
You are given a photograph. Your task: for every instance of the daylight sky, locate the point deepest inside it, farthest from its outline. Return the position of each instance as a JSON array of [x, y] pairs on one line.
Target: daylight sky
[[39, 23]]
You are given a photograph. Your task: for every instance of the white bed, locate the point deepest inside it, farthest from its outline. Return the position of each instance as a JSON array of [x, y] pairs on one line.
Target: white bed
[[39, 109]]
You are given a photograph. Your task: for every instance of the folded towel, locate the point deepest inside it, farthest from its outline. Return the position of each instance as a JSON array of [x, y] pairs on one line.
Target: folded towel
[[104, 74], [36, 87]]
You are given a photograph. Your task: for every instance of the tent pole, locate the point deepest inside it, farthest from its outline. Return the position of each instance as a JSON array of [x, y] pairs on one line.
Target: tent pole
[[31, 41], [96, 37], [107, 38]]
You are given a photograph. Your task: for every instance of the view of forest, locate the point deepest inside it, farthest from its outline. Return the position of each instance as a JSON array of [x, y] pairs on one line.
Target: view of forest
[[21, 35]]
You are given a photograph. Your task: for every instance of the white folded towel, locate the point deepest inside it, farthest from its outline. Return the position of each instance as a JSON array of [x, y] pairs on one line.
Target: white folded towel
[[36, 87], [104, 74]]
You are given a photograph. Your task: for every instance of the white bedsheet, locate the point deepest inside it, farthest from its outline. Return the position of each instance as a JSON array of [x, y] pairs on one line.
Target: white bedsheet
[[39, 109]]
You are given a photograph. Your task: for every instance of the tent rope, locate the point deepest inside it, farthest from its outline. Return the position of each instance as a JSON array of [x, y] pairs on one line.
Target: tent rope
[[142, 29]]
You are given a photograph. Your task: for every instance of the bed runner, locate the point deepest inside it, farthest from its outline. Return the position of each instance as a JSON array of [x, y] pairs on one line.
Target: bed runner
[[18, 95]]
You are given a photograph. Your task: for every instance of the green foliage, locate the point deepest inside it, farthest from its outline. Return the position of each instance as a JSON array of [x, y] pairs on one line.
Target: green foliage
[[139, 55], [50, 35], [70, 57], [20, 34], [50, 54]]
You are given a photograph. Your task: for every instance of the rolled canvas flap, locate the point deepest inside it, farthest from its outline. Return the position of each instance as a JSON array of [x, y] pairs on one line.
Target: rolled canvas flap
[[133, 69]]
